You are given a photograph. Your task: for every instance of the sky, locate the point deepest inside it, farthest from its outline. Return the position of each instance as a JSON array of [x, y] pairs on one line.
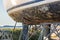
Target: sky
[[4, 17]]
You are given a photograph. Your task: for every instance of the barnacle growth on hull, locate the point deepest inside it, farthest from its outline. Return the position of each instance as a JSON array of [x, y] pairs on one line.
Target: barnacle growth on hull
[[37, 14]]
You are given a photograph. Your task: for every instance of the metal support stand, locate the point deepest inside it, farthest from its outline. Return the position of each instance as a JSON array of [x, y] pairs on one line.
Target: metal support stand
[[25, 32], [41, 33], [46, 31]]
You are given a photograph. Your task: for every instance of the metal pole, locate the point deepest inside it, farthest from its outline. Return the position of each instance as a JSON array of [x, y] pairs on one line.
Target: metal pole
[[14, 26], [25, 32], [47, 31], [13, 30], [41, 33]]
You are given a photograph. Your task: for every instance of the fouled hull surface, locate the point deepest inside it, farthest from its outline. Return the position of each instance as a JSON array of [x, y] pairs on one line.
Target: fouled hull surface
[[38, 14]]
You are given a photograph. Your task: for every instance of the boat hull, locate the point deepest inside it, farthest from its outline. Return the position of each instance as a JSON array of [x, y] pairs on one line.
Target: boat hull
[[46, 13]]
